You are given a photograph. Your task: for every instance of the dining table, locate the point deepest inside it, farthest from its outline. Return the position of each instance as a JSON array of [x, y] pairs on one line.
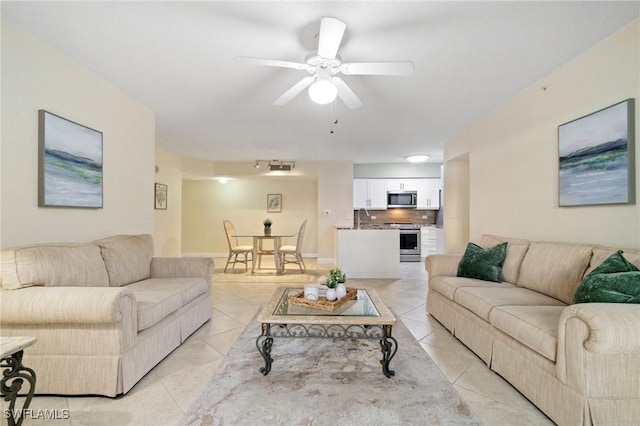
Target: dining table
[[258, 240]]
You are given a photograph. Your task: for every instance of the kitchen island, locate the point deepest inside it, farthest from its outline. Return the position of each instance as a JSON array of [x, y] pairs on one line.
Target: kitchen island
[[368, 253]]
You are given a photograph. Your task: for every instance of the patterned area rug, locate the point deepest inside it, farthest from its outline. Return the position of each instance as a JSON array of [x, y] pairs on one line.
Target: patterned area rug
[[268, 276], [328, 382]]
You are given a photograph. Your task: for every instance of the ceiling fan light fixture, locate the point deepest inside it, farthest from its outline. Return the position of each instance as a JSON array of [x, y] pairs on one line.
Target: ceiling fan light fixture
[[417, 158], [323, 91]]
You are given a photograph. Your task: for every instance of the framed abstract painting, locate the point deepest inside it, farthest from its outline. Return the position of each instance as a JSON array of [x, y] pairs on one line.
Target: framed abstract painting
[[596, 157], [70, 163]]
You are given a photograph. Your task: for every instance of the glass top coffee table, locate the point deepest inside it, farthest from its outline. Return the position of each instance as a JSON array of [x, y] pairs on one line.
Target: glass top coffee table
[[365, 317]]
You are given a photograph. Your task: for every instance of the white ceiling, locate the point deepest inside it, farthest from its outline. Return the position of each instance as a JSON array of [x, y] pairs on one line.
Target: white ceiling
[[177, 58]]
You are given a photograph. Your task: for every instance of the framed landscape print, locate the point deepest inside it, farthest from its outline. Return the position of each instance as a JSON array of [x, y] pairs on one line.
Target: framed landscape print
[[70, 163], [274, 203], [596, 157], [160, 196]]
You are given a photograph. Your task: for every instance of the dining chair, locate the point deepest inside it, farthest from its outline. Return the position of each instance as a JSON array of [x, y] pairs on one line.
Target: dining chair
[[295, 251], [235, 249]]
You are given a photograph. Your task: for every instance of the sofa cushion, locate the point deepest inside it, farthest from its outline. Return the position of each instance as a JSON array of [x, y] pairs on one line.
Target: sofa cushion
[[157, 298], [127, 257], [55, 265], [600, 254], [481, 300], [516, 249], [615, 280], [447, 286], [554, 269], [534, 326], [481, 263]]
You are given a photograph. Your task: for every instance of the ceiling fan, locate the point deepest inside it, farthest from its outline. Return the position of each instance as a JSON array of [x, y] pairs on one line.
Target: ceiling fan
[[324, 65]]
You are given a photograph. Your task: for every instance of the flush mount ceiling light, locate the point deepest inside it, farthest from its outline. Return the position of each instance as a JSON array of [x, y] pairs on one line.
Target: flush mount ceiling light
[[223, 180], [323, 91], [417, 158]]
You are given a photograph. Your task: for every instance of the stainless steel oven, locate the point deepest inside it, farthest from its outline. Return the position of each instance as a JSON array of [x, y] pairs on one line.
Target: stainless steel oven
[[409, 243]]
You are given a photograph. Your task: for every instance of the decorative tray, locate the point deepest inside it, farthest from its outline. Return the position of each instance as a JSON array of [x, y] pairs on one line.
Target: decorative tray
[[322, 303]]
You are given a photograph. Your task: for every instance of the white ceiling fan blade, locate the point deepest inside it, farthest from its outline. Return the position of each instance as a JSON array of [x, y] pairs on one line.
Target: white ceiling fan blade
[[346, 94], [294, 91], [331, 32], [378, 68], [270, 62]]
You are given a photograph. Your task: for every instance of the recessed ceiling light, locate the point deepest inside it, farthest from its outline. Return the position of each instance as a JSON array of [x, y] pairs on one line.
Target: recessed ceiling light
[[417, 158]]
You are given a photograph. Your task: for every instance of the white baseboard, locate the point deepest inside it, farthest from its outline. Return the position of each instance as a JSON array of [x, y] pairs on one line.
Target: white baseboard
[[326, 261]]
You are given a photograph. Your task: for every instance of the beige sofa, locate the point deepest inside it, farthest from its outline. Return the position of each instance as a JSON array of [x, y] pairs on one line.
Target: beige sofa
[[580, 364], [104, 313]]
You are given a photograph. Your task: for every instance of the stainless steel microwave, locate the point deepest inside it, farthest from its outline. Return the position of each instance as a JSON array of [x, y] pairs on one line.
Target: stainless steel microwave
[[402, 199]]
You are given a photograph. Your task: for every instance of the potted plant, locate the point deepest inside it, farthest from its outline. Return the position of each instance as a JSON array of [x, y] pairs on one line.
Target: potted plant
[[336, 276], [335, 283], [267, 226]]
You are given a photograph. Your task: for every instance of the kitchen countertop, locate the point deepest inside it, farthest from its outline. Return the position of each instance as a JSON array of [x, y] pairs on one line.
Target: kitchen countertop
[[378, 227], [364, 228]]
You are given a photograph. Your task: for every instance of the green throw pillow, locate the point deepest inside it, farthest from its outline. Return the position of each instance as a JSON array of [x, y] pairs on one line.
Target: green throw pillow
[[616, 280], [483, 264]]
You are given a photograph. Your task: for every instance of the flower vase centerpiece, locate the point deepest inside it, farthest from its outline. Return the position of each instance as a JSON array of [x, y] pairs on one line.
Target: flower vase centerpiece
[[335, 284], [267, 226]]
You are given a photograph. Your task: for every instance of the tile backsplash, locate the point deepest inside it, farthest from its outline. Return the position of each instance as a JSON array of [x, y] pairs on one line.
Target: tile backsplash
[[419, 217]]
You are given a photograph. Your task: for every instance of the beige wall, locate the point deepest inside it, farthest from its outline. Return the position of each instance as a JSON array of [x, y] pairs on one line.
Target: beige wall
[[335, 195], [513, 152], [456, 212], [168, 223], [243, 201], [309, 192], [35, 76]]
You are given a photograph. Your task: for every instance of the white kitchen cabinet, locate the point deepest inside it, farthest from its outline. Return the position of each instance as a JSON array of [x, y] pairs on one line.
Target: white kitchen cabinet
[[402, 184], [372, 193], [428, 241], [369, 194], [429, 193], [360, 193]]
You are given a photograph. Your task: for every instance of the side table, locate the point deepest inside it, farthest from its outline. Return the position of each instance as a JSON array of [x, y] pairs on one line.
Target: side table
[[14, 374]]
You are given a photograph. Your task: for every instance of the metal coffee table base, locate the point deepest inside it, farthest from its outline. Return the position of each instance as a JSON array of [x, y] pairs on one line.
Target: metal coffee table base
[[14, 374], [382, 333]]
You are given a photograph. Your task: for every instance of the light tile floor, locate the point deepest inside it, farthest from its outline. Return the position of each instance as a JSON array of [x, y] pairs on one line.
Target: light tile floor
[[166, 392]]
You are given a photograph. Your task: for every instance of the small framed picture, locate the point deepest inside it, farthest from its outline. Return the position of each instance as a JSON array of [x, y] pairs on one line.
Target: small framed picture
[[274, 203], [160, 197]]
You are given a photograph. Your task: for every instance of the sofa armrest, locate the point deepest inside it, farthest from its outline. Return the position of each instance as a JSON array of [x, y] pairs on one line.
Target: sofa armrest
[[599, 349], [67, 305], [442, 264], [182, 267], [613, 327]]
